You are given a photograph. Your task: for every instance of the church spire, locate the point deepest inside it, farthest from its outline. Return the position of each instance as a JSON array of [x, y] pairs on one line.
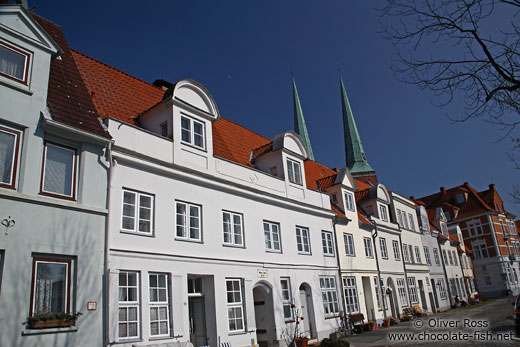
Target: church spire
[[356, 160], [299, 122]]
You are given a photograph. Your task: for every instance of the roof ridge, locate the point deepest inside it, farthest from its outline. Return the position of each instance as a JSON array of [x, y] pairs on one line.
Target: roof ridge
[[114, 68]]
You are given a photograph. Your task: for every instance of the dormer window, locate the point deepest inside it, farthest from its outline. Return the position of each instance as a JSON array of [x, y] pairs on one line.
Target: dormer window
[[447, 215], [444, 229], [14, 63], [459, 198], [349, 202], [383, 212], [294, 171], [192, 132]]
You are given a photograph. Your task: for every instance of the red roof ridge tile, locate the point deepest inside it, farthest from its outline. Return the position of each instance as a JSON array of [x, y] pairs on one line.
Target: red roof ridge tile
[[114, 68]]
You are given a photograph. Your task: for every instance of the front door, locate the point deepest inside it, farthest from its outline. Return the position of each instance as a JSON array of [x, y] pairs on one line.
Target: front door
[[197, 321], [423, 295]]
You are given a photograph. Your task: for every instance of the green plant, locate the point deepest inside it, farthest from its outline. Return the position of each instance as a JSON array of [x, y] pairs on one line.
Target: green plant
[[44, 316], [334, 343]]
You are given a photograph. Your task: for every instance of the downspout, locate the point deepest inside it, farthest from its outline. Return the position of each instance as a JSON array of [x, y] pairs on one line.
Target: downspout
[[106, 269], [404, 269], [334, 222], [444, 268], [374, 236]]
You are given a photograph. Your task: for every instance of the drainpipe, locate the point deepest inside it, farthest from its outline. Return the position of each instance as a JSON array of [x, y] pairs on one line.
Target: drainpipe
[[404, 269], [106, 268], [444, 268], [334, 222], [374, 236]]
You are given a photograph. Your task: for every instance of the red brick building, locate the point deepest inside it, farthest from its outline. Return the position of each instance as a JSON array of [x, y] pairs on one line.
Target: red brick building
[[488, 230]]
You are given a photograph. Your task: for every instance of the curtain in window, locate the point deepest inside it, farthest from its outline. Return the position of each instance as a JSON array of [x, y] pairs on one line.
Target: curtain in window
[[12, 63], [50, 287], [58, 170], [7, 142]]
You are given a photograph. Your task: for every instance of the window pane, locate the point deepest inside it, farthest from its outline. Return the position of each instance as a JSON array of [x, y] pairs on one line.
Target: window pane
[[186, 129], [50, 287], [7, 142], [59, 164], [12, 63]]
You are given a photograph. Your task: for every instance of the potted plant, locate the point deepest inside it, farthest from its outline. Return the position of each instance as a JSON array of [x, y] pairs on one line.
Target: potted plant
[[293, 333], [386, 322], [372, 325], [49, 319]]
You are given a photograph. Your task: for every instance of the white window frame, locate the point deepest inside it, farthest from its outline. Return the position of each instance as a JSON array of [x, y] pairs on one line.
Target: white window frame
[[397, 253], [412, 223], [327, 242], [73, 177], [302, 240], [186, 226], [349, 245], [427, 255], [273, 242], [234, 304], [137, 209], [126, 304], [294, 172], [349, 202], [287, 300], [351, 295], [441, 289], [399, 218], [191, 132], [11, 184], [369, 252], [436, 256], [234, 230], [414, 298], [26, 67], [329, 295], [382, 246], [455, 261], [474, 227], [445, 257], [418, 254], [384, 213], [479, 247], [406, 255], [378, 294], [160, 304], [401, 291]]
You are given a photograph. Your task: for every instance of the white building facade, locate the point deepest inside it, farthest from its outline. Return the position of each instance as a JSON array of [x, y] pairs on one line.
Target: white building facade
[[204, 249]]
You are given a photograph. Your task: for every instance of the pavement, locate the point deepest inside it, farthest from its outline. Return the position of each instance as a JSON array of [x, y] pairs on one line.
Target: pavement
[[491, 324]]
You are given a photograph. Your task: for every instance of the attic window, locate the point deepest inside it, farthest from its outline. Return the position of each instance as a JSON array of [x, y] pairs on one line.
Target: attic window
[[294, 171], [460, 198], [14, 63], [192, 132], [447, 215]]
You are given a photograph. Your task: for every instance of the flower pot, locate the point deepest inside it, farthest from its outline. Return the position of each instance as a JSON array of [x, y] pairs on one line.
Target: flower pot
[[386, 322], [303, 342], [57, 323], [372, 326]]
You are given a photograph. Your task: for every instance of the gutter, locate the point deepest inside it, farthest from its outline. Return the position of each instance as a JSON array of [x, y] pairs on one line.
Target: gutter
[[106, 267], [49, 123]]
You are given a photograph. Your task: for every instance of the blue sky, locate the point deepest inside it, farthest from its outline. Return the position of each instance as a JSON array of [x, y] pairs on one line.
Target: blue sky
[[244, 52]]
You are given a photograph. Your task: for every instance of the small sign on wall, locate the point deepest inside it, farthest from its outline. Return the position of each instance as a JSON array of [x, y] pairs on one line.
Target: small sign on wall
[[91, 306], [262, 273]]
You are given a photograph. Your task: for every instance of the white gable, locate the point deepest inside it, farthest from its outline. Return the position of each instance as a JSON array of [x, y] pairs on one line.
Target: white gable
[[15, 21], [193, 94]]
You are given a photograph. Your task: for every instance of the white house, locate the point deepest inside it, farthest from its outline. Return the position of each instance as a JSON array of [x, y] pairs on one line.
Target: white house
[[53, 188], [214, 231]]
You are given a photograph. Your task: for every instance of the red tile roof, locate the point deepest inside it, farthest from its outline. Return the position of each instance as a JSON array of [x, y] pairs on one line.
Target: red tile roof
[[115, 93], [257, 152], [362, 195], [362, 185], [326, 182], [338, 211], [67, 98], [362, 218], [315, 171]]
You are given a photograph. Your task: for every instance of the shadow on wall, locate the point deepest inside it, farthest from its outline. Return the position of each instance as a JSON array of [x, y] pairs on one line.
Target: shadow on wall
[[70, 233]]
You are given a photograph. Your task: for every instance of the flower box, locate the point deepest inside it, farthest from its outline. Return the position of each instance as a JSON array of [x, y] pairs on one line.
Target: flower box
[[302, 342], [56, 323]]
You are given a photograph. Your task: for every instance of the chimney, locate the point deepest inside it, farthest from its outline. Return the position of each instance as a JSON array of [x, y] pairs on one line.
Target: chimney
[[443, 190], [492, 187]]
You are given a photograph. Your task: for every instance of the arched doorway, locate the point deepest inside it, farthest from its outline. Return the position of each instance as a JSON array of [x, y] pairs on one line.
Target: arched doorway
[[264, 314], [307, 310], [392, 297]]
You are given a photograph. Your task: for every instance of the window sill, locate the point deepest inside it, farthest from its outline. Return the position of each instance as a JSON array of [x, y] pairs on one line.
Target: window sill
[[273, 251], [233, 246], [126, 341], [58, 196], [161, 338], [329, 255], [15, 85], [233, 333], [136, 233], [187, 144], [27, 332], [188, 240], [304, 253], [332, 317]]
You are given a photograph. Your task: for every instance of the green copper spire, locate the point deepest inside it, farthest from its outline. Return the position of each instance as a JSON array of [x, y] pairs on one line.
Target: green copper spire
[[356, 159], [299, 122]]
